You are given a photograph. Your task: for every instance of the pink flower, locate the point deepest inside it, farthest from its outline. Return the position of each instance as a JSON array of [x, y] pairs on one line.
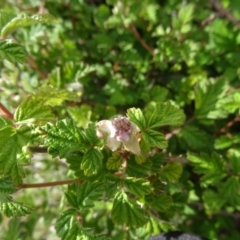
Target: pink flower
[[119, 132]]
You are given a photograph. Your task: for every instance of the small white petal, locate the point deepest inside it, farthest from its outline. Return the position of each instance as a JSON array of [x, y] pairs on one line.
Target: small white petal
[[104, 128], [113, 144], [132, 145]]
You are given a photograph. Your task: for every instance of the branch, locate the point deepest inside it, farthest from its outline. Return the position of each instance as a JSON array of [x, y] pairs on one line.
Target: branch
[[5, 112], [223, 12], [34, 65], [176, 131], [142, 42], [49, 184]]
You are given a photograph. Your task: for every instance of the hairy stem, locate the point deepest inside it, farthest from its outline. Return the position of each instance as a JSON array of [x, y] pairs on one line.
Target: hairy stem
[[49, 184], [5, 112]]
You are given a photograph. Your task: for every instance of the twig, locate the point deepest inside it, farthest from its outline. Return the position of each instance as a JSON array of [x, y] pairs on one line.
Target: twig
[[138, 37], [176, 131], [33, 64], [48, 184], [223, 12], [5, 112]]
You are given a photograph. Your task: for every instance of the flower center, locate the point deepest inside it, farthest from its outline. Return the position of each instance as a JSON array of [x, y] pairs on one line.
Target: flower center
[[123, 128]]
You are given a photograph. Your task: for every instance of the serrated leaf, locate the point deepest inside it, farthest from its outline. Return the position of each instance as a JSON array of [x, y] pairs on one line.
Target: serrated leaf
[[55, 97], [33, 110], [126, 211], [24, 20], [64, 138], [92, 160], [157, 161], [186, 13], [207, 98], [114, 162], [154, 138], [5, 122], [212, 167], [65, 223], [138, 186], [171, 172], [138, 170], [14, 209], [166, 114], [5, 17], [90, 134], [196, 139], [230, 188], [234, 156], [136, 116], [12, 51], [82, 196], [13, 153], [212, 202], [112, 184], [160, 202], [6, 186]]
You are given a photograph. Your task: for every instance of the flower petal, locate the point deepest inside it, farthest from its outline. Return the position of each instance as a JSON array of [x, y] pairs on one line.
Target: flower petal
[[123, 136], [104, 128], [132, 145], [113, 144]]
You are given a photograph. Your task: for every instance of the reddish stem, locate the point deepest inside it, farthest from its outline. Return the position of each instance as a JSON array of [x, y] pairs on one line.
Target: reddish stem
[[5, 112], [48, 184]]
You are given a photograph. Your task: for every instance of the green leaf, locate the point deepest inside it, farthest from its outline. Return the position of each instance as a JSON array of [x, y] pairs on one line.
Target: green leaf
[[12, 51], [33, 110], [55, 97], [138, 170], [160, 202], [207, 98], [112, 184], [114, 162], [126, 211], [13, 153], [6, 186], [91, 161], [82, 196], [154, 138], [234, 157], [166, 114], [185, 13], [24, 20], [157, 161], [171, 172], [14, 209], [5, 17], [91, 135], [5, 122], [212, 167], [212, 202], [64, 138], [230, 188], [65, 223], [136, 116], [196, 139], [138, 186]]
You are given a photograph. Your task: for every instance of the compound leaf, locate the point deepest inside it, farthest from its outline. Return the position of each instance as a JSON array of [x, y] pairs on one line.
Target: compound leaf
[[126, 211], [136, 116], [171, 172], [24, 20], [166, 114], [33, 110], [91, 161], [138, 186], [12, 51], [154, 138], [14, 209]]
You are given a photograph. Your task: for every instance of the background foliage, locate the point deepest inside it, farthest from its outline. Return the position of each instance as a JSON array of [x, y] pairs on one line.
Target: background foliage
[[66, 65]]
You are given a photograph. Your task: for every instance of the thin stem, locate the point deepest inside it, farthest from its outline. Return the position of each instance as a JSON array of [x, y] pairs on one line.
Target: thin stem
[[48, 184], [176, 131], [5, 112], [225, 13], [138, 37]]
